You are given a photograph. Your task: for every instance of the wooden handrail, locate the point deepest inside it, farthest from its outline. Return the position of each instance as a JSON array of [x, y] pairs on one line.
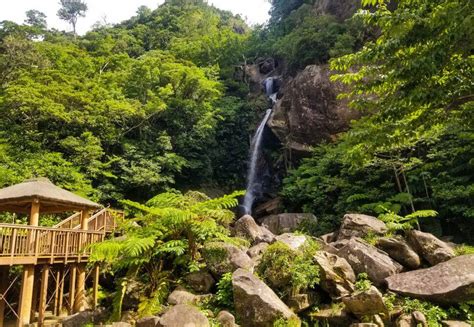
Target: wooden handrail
[[102, 220], [24, 243]]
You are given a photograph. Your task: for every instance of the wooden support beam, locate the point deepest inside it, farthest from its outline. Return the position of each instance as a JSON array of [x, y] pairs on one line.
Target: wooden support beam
[[95, 291], [43, 298], [35, 301], [80, 299], [72, 288], [26, 295], [56, 292], [34, 213], [4, 271], [61, 292]]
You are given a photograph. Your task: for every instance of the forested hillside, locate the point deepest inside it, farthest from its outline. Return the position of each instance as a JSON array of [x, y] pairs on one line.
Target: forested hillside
[[356, 117], [130, 110]]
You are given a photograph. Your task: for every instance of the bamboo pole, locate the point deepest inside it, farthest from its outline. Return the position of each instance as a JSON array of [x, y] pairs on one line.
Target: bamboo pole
[[80, 298], [28, 276], [72, 288], [95, 292], [4, 271], [61, 292], [43, 294]]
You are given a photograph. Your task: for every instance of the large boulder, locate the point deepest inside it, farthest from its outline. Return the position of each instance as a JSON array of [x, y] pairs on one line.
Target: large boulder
[[222, 258], [200, 281], [257, 250], [309, 111], [302, 301], [151, 321], [285, 222], [292, 240], [181, 296], [226, 319], [78, 319], [183, 315], [256, 305], [337, 276], [448, 282], [365, 258], [365, 303], [358, 225], [400, 251], [335, 316], [431, 248], [247, 228]]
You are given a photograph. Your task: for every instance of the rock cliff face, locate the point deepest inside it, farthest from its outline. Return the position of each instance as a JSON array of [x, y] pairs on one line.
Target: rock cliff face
[[308, 111]]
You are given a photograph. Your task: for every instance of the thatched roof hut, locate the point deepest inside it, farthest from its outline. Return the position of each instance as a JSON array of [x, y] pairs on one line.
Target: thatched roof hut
[[52, 199]]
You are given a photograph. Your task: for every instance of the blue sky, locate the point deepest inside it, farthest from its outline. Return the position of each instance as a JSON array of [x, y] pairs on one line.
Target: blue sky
[[114, 11]]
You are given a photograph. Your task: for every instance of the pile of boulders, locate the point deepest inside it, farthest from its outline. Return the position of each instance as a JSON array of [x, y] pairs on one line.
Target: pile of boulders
[[414, 264]]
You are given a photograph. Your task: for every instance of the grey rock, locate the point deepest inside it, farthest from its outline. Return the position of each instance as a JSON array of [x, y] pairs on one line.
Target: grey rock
[[200, 281], [121, 324], [365, 258], [334, 317], [419, 318], [181, 296], [358, 225], [183, 315], [247, 228], [257, 250], [365, 303], [78, 319], [400, 251], [430, 247], [222, 258], [329, 238], [226, 319], [301, 302], [152, 321], [309, 111], [448, 282], [337, 276], [285, 222], [256, 305], [292, 240], [454, 323]]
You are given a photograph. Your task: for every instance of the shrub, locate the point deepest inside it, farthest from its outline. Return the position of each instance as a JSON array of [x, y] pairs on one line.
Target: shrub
[[282, 266], [225, 292]]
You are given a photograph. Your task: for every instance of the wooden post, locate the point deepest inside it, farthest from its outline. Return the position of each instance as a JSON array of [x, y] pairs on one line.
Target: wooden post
[[80, 299], [43, 298], [72, 288], [28, 276], [4, 271], [85, 215], [34, 301], [56, 292], [26, 295], [61, 292], [95, 292]]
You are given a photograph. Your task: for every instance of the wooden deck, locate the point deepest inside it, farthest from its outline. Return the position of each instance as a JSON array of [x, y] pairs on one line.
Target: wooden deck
[[63, 243]]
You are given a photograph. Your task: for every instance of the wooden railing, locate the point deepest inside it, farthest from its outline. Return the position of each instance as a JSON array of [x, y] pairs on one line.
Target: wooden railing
[[23, 244], [103, 220]]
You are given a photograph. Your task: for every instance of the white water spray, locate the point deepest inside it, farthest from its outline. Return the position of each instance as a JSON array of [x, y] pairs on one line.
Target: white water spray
[[252, 183]]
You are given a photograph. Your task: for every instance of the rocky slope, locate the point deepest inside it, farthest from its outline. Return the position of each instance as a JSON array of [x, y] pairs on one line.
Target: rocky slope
[[427, 270]]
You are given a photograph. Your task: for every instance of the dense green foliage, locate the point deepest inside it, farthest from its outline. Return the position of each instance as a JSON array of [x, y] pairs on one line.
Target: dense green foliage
[[413, 147], [125, 111], [163, 240], [301, 36], [289, 271]]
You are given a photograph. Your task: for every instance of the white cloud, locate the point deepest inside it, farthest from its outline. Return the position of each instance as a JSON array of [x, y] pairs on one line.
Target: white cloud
[[114, 11]]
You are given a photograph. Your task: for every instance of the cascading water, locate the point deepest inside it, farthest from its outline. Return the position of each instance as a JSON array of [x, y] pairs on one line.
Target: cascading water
[[253, 183]]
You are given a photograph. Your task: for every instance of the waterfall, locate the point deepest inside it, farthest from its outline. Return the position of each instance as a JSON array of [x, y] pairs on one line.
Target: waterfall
[[252, 177], [253, 183]]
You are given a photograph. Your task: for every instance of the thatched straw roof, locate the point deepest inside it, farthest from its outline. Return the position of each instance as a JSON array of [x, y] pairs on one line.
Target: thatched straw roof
[[18, 198]]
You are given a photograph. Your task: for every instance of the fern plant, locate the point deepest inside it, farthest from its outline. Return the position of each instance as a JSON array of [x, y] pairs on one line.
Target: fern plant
[[396, 222], [164, 238]]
